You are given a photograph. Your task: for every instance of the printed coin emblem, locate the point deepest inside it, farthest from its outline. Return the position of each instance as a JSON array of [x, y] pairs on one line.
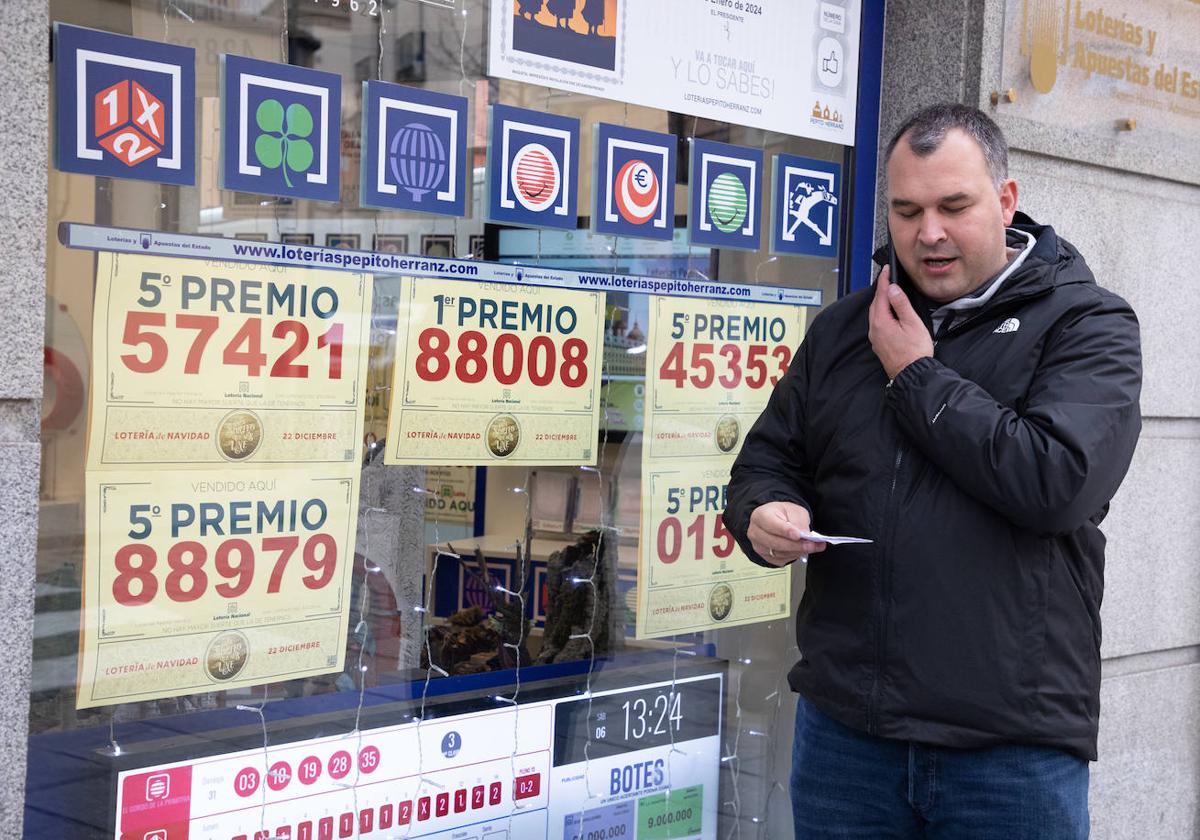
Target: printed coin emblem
[[226, 655], [239, 435], [720, 601], [503, 435], [727, 433]]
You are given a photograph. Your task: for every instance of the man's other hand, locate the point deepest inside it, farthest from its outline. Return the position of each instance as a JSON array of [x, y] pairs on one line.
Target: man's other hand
[[898, 335], [775, 533]]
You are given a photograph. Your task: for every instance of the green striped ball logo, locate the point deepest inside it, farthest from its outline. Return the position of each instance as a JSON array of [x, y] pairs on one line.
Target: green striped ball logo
[[727, 202]]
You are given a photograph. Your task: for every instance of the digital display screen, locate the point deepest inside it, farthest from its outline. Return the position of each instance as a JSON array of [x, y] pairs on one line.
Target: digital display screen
[[649, 773], [636, 719]]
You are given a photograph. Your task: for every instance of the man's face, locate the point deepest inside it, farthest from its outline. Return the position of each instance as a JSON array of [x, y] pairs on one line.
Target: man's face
[[946, 217]]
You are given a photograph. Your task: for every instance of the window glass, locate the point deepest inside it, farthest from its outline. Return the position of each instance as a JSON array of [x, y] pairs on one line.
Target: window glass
[[472, 588]]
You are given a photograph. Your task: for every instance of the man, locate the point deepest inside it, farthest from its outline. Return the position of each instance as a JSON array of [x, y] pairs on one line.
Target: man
[[973, 418]]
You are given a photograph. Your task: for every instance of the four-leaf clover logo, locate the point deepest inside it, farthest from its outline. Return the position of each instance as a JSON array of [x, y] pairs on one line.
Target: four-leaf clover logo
[[282, 142]]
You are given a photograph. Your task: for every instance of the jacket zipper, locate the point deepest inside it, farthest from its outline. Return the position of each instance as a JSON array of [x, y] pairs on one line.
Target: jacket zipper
[[884, 592], [889, 521]]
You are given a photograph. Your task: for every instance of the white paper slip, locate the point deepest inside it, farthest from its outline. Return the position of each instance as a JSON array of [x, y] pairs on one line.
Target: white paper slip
[[818, 537]]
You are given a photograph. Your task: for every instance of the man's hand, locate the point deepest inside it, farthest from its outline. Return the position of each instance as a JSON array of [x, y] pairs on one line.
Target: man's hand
[[898, 335], [775, 533]]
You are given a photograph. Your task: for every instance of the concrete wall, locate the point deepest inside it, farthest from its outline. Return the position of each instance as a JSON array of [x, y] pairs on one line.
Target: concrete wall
[[24, 28], [1137, 231]]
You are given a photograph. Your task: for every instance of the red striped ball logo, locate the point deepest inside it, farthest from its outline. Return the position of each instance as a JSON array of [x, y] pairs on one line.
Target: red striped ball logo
[[536, 177]]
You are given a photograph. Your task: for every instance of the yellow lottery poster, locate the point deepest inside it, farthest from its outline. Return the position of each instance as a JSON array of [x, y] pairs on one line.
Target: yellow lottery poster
[[214, 579], [202, 362], [710, 368], [691, 575], [488, 373]]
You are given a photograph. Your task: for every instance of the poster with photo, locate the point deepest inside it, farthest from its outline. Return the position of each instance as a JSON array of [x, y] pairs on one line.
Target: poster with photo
[[779, 65], [390, 243]]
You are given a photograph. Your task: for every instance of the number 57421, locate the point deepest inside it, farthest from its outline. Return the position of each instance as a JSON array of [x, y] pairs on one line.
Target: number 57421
[[147, 332]]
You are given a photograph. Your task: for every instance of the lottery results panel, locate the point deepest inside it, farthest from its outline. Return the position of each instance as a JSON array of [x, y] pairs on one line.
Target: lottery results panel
[[640, 762], [223, 475]]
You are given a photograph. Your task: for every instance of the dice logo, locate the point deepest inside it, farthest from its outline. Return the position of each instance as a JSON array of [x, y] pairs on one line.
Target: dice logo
[[129, 122], [124, 107]]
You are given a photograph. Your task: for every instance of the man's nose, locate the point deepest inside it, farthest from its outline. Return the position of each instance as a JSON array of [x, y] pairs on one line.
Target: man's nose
[[932, 232]]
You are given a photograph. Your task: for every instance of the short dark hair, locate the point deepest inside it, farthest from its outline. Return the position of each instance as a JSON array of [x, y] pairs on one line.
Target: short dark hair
[[926, 129]]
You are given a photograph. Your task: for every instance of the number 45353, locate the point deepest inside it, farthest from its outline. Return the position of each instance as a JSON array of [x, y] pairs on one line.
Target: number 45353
[[753, 366]]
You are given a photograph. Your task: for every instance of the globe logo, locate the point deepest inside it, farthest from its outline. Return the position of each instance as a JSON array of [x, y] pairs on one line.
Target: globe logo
[[417, 157], [536, 177], [637, 192], [727, 202]]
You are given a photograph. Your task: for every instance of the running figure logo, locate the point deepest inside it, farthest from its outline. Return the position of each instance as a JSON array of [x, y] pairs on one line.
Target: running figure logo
[[802, 201], [804, 206]]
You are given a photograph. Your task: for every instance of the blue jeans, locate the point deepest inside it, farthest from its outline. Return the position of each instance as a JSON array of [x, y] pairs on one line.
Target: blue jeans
[[847, 784]]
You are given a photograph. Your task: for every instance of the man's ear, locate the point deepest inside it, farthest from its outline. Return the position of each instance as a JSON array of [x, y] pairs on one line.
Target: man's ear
[[1008, 200]]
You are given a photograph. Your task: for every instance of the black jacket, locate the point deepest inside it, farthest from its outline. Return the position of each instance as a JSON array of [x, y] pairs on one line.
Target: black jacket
[[982, 475]]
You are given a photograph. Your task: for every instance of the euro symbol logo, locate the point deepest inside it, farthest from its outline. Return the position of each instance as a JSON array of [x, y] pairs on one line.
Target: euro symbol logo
[[636, 190]]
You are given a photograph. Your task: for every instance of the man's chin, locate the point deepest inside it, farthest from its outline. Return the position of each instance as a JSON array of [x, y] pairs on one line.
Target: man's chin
[[940, 289]]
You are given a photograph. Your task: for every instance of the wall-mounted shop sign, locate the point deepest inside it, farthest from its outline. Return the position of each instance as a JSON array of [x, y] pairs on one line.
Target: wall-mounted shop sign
[[533, 168], [280, 129], [414, 149], [725, 196], [1095, 66], [804, 206], [775, 64], [633, 186], [125, 107]]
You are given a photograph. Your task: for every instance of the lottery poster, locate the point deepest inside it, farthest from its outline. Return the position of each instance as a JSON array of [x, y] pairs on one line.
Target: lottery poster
[[710, 369], [490, 373], [208, 363], [205, 580], [450, 494]]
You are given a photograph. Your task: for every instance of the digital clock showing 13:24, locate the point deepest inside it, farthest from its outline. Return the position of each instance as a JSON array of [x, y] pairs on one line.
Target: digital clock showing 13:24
[[636, 719]]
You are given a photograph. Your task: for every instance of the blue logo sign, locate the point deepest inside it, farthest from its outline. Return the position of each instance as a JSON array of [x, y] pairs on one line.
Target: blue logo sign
[[635, 182], [280, 129], [125, 107], [451, 744], [533, 159], [414, 149], [725, 195], [804, 206]]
